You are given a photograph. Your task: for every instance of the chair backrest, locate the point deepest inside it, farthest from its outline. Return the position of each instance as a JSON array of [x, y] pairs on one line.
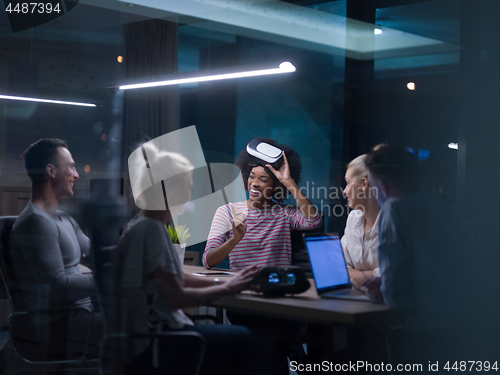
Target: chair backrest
[[6, 224], [104, 268], [29, 342]]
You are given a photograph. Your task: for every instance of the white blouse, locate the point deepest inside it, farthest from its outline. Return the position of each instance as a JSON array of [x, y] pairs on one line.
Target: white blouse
[[360, 254]]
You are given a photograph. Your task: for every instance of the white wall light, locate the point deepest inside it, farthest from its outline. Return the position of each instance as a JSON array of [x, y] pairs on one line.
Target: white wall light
[[39, 100], [453, 146], [209, 75], [377, 31]]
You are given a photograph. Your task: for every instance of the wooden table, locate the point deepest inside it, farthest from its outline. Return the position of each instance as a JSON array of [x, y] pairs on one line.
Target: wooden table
[[306, 307], [331, 319]]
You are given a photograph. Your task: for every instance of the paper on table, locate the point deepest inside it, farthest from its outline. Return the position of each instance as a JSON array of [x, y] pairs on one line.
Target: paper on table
[[238, 215], [84, 270]]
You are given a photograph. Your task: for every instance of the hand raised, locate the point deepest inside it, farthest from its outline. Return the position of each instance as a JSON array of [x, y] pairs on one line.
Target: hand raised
[[283, 174], [239, 231], [239, 223]]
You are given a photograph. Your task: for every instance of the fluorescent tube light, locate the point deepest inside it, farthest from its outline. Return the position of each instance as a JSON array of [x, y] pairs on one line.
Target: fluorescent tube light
[[284, 67], [453, 146], [8, 97]]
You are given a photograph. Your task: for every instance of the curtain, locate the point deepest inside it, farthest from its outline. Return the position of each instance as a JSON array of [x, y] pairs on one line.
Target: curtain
[[151, 50]]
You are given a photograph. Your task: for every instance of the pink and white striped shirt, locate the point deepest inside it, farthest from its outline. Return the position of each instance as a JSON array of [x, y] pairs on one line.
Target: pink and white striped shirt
[[267, 239]]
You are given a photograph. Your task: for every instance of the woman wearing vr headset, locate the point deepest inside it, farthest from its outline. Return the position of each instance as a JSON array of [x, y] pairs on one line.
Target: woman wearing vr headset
[[360, 240], [257, 231]]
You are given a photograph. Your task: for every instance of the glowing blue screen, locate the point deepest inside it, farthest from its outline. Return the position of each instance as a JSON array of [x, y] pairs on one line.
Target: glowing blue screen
[[327, 261]]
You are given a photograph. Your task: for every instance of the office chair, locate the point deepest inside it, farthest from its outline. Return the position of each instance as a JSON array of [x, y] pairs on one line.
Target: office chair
[[115, 341], [299, 251], [32, 345]]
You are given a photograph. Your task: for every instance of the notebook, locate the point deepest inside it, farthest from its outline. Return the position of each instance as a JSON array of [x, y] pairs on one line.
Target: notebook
[[329, 267]]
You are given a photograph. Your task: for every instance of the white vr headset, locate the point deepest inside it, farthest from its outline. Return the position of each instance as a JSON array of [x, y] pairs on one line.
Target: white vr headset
[[264, 151]]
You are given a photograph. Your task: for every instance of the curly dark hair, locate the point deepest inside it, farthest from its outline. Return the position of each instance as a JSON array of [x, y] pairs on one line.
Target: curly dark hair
[[244, 161]]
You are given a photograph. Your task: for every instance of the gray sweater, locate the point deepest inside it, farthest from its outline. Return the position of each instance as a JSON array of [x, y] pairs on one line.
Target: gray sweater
[[45, 253]]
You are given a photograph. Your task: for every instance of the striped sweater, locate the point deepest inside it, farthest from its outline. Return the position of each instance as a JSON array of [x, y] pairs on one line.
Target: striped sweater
[[267, 239]]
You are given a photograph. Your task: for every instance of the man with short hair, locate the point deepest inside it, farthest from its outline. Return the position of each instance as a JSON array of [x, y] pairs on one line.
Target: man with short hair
[[46, 246], [419, 241]]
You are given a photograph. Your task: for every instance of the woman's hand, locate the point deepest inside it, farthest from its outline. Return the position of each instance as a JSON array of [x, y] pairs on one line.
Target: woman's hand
[[239, 231], [239, 223], [283, 174]]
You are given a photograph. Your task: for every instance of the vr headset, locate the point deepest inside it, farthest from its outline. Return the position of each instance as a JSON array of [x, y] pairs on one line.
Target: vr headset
[[264, 151], [278, 281]]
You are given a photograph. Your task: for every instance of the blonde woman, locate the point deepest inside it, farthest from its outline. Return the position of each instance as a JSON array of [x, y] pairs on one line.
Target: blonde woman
[[360, 240], [152, 285]]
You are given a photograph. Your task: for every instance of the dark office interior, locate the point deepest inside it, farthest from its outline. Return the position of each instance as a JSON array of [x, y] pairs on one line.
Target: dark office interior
[[423, 74]]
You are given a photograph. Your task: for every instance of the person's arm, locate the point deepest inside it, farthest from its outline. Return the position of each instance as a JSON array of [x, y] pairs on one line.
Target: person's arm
[[355, 275], [359, 277], [84, 243], [283, 175], [395, 259], [371, 287], [179, 296], [195, 281], [345, 247], [218, 254], [218, 245]]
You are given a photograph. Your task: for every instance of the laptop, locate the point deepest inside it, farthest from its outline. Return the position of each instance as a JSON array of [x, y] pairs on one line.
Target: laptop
[[329, 267]]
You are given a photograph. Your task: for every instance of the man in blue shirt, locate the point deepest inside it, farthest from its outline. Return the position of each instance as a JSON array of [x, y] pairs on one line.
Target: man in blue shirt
[[425, 264]]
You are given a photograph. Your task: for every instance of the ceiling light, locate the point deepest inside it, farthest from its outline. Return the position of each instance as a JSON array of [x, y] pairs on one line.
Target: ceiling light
[[26, 99], [377, 31], [411, 86], [210, 75], [452, 145]]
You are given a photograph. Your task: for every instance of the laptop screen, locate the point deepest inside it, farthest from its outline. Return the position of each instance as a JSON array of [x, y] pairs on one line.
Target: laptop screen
[[327, 261]]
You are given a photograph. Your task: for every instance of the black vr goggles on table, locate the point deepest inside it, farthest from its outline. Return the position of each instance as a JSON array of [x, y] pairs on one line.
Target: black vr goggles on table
[[278, 281]]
